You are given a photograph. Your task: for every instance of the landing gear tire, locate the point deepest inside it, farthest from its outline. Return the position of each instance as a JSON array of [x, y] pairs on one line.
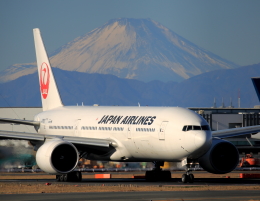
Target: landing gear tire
[[78, 176], [62, 178], [150, 176], [184, 178], [191, 178], [158, 175], [65, 178], [58, 178], [70, 177], [187, 178], [165, 175]]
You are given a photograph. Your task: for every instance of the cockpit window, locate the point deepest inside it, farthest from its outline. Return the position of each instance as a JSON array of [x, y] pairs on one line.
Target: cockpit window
[[196, 128], [193, 127], [189, 128], [206, 127]]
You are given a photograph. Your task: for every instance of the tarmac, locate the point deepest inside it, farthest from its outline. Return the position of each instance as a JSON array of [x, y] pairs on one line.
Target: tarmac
[[140, 196], [159, 195]]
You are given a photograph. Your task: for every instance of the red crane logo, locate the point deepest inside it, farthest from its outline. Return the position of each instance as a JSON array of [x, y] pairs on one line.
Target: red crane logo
[[44, 79]]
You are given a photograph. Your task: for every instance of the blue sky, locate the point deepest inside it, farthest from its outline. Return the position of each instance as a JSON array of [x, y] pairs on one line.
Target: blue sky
[[228, 28]]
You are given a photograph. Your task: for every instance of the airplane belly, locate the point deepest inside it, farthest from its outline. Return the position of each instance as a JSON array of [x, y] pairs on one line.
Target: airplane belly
[[149, 146], [144, 148]]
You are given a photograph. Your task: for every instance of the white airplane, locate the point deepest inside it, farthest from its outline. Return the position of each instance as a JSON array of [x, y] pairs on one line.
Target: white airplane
[[150, 134]]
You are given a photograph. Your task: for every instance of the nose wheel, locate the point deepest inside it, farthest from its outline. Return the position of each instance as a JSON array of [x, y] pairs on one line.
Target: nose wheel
[[188, 177]]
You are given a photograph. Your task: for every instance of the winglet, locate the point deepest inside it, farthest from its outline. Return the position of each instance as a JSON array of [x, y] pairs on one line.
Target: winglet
[[49, 92], [256, 83]]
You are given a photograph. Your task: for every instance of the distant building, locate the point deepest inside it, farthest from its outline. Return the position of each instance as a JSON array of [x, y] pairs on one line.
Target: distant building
[[226, 118]]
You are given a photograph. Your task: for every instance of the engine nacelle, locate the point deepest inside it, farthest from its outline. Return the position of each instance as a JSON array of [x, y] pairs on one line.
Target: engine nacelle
[[57, 157], [221, 158]]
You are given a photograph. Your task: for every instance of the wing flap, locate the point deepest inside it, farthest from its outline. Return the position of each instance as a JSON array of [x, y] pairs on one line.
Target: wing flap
[[21, 135], [88, 141], [236, 131]]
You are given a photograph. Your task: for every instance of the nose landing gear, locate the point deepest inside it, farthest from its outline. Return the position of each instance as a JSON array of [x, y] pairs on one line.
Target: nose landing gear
[[188, 176], [157, 174]]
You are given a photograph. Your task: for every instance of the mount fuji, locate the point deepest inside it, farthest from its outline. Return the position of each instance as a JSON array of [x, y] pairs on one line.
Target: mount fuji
[[140, 49]]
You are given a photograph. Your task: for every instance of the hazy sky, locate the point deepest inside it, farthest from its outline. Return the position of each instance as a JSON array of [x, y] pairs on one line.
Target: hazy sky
[[228, 28]]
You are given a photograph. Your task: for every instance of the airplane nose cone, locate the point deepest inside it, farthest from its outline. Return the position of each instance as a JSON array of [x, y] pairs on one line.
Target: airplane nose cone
[[201, 139]]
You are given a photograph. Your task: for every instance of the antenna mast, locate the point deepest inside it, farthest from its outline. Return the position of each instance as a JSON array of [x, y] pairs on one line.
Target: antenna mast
[[238, 98]]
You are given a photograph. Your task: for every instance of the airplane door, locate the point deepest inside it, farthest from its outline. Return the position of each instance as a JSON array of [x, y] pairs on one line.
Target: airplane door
[[77, 128], [162, 130]]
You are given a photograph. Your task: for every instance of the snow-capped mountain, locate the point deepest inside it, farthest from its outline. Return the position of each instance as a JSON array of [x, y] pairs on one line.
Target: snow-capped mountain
[[139, 49]]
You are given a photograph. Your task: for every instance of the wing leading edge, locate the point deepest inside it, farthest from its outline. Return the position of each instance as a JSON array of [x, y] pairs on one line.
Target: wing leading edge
[[236, 131], [40, 137], [20, 121]]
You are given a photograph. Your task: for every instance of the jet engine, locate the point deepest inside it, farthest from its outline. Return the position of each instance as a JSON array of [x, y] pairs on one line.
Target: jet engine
[[221, 158], [57, 157]]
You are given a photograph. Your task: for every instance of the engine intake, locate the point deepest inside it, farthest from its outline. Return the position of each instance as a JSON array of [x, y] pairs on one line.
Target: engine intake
[[221, 158], [57, 157]]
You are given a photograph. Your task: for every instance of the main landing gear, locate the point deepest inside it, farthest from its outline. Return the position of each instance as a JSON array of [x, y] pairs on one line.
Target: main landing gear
[[72, 176], [157, 174]]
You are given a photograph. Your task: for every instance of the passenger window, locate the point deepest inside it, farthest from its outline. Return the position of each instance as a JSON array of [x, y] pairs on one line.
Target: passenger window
[[196, 128], [184, 128]]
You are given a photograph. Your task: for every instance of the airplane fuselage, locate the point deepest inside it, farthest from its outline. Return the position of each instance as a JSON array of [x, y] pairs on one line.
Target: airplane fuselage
[[141, 133]]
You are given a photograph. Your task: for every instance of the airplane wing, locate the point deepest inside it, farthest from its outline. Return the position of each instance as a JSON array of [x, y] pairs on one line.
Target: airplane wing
[[42, 137], [20, 121], [235, 131]]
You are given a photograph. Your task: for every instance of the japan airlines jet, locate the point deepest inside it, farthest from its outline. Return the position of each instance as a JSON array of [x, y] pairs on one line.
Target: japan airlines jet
[[155, 134]]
